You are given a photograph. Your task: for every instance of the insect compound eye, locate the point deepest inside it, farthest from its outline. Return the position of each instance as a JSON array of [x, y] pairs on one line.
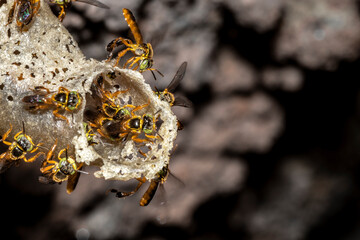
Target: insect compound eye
[[145, 64], [24, 13]]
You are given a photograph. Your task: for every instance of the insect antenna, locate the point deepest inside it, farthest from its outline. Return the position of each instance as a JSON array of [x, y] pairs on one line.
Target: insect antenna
[[23, 125], [80, 171], [153, 74], [159, 73], [157, 90]]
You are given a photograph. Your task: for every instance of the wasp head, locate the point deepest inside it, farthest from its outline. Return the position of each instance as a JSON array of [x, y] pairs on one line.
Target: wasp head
[[74, 100]]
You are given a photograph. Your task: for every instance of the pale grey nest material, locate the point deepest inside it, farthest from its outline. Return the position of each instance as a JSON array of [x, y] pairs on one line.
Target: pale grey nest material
[[47, 55]]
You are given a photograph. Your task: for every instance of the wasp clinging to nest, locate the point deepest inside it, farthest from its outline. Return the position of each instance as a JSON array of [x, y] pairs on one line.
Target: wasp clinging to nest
[[22, 145], [65, 169]]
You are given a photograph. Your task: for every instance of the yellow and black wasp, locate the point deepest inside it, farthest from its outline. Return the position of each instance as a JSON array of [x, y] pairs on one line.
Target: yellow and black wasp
[[168, 96], [65, 169], [61, 100], [18, 149], [143, 59]]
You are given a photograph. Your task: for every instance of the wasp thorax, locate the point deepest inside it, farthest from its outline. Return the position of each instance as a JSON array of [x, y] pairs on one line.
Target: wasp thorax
[[24, 143], [139, 51], [135, 123], [110, 111], [17, 152], [60, 97], [121, 114]]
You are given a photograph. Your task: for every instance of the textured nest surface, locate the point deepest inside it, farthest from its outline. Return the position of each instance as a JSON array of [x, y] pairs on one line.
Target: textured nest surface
[[48, 56]]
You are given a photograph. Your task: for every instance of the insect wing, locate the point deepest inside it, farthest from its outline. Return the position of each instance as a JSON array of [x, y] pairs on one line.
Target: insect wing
[[72, 181], [162, 194], [94, 3], [149, 194], [130, 19], [46, 180], [177, 78], [34, 99], [182, 102], [6, 164]]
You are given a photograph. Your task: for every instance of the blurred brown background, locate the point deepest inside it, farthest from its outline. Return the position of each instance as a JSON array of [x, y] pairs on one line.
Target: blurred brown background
[[270, 150]]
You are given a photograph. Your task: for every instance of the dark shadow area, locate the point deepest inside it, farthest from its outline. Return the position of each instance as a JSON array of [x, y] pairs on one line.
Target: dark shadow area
[[247, 42]]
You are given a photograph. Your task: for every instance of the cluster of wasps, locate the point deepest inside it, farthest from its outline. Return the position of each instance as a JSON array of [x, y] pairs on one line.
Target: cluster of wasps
[[110, 120]]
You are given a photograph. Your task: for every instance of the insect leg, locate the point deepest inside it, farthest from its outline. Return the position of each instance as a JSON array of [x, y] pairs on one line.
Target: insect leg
[[139, 107], [11, 12], [6, 135], [46, 169], [122, 53], [34, 157], [135, 61], [62, 13], [126, 194], [129, 61], [55, 112]]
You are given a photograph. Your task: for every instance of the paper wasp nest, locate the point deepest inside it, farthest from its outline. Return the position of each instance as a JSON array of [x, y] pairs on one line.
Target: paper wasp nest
[[48, 56]]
